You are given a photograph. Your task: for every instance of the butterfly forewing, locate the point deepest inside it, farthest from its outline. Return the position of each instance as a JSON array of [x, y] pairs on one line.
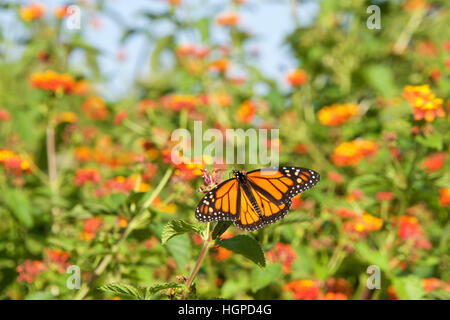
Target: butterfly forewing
[[282, 184], [221, 203]]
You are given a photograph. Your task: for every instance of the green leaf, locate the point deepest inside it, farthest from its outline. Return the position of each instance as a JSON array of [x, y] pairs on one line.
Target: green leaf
[[203, 28], [438, 295], [157, 288], [263, 277], [19, 205], [175, 228], [408, 288], [180, 249], [117, 199], [434, 141], [372, 256], [364, 180], [220, 228], [381, 78], [246, 246], [124, 289]]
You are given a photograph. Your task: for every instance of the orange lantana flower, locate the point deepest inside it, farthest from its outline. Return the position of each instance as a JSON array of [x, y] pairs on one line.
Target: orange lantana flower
[[296, 77], [424, 103], [352, 152], [228, 19], [32, 12], [337, 114], [303, 289], [246, 112], [52, 81]]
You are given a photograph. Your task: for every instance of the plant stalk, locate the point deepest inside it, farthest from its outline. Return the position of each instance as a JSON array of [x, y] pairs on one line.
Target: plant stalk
[[199, 262]]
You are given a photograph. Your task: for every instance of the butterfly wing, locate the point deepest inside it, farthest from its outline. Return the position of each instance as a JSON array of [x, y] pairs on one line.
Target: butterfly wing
[[280, 185], [273, 190], [271, 212], [221, 203]]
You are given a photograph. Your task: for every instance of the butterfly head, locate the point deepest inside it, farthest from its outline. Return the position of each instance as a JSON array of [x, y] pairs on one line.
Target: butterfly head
[[240, 175]]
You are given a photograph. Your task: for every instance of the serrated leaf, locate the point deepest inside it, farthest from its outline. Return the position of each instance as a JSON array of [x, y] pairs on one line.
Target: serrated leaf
[[246, 246], [175, 228], [180, 249], [263, 277], [124, 289], [157, 288], [220, 228]]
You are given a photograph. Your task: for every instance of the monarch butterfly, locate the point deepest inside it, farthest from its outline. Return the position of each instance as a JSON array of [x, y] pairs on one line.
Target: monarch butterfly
[[256, 198]]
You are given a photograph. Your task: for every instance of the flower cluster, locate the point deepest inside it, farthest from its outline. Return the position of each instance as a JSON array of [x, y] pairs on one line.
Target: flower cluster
[[121, 184], [30, 270], [409, 229], [177, 102], [434, 161], [352, 152], [363, 224], [296, 77], [337, 114], [83, 176], [424, 103], [187, 49], [53, 81], [13, 162], [90, 228], [246, 111], [95, 108], [59, 258], [221, 253], [444, 197], [31, 12], [333, 289], [303, 289], [284, 254], [228, 19], [220, 99]]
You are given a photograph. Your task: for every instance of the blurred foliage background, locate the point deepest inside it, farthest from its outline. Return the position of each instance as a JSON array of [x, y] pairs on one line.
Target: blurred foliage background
[[87, 179]]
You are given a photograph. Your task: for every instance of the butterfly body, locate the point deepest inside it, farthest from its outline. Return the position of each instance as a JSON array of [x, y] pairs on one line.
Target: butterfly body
[[257, 198], [241, 177]]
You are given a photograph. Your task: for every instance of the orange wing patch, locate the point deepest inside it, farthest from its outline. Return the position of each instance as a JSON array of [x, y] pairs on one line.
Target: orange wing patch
[[271, 212], [220, 203], [281, 185], [249, 219], [273, 182]]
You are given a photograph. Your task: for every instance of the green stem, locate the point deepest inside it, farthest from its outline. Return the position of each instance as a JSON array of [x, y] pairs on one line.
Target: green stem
[[131, 226], [199, 262]]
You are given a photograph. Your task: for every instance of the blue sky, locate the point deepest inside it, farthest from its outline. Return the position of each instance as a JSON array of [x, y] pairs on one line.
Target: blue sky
[[268, 20]]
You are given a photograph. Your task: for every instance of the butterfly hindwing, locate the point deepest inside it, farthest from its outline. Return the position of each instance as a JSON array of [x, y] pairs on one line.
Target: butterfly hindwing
[[271, 212]]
